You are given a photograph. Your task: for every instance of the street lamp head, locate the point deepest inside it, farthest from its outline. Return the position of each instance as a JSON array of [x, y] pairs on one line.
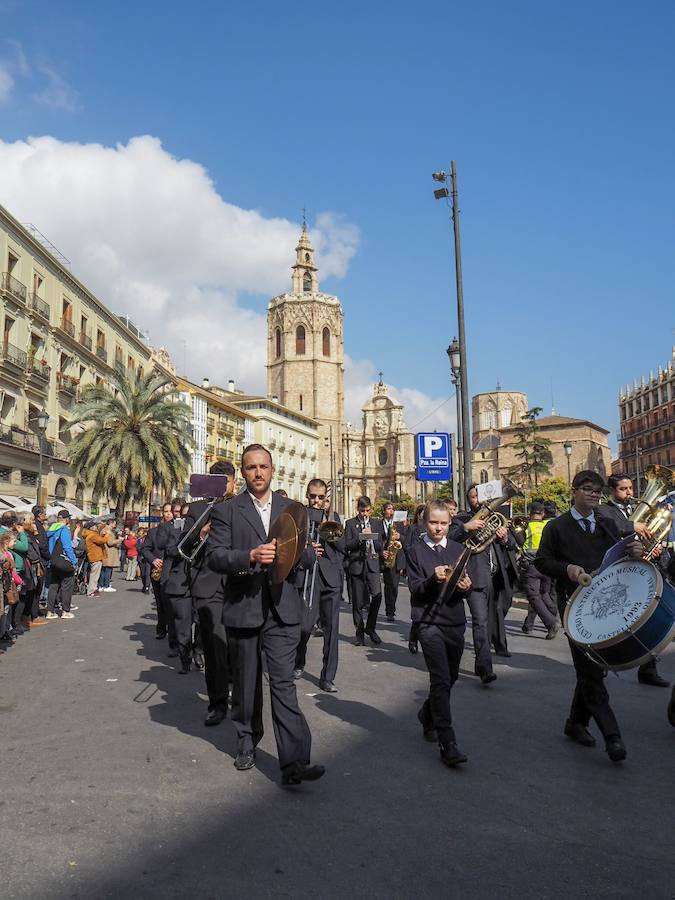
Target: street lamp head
[[439, 193], [439, 176], [567, 447], [454, 355], [42, 419]]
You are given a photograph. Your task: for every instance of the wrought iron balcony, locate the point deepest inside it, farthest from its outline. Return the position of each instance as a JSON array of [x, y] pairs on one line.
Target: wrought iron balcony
[[39, 367], [102, 353], [67, 326], [86, 341], [38, 306], [240, 434], [67, 383], [13, 288], [25, 439], [14, 355]]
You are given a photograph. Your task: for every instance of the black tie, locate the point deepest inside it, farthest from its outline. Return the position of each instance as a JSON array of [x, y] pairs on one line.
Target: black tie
[[438, 548], [586, 525]]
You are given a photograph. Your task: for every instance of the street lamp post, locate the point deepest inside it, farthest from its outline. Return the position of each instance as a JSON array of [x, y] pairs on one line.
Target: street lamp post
[[42, 420], [567, 447], [439, 194], [638, 454], [454, 357]]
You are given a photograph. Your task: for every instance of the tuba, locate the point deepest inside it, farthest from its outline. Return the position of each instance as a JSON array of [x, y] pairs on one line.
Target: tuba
[[657, 517], [491, 519]]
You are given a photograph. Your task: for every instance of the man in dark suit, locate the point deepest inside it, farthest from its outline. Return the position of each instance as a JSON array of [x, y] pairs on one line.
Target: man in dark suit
[[391, 575], [364, 545], [572, 545], [206, 589], [490, 574], [619, 508], [154, 556], [260, 616], [323, 602]]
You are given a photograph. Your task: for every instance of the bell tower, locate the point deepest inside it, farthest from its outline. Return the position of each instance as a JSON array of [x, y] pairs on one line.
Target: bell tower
[[305, 355]]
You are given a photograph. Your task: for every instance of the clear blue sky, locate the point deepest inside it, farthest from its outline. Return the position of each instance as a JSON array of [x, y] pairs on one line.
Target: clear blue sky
[[560, 117]]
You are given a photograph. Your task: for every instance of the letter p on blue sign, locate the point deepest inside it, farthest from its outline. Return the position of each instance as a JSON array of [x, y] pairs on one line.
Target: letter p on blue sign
[[434, 456]]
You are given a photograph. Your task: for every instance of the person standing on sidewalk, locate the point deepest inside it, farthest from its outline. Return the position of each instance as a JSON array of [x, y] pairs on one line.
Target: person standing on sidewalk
[[111, 559], [62, 580], [130, 545], [94, 543]]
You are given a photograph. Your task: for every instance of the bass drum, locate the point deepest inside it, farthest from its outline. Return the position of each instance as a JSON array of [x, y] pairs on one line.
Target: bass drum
[[624, 617]]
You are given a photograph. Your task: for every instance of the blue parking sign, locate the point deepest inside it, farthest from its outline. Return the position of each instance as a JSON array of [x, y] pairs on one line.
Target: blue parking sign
[[434, 456]]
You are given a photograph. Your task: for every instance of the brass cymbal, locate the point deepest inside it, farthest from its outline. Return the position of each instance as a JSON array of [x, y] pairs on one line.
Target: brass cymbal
[[290, 530]]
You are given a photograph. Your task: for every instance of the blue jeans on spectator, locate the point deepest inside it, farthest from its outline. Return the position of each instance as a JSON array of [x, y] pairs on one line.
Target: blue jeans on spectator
[[106, 577]]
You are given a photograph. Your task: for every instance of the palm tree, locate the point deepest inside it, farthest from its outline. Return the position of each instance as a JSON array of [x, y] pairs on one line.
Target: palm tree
[[132, 438]]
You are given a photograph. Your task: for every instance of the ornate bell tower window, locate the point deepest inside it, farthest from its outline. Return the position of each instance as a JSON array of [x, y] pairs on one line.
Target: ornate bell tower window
[[300, 340], [307, 282], [277, 343], [325, 340]]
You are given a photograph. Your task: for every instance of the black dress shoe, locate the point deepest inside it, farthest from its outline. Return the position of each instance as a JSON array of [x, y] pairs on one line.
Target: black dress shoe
[[616, 749], [245, 759], [526, 629], [173, 653], [185, 666], [215, 716], [488, 678], [298, 772], [652, 678], [552, 633], [374, 636], [297, 673], [198, 660], [430, 733], [503, 652], [413, 646], [578, 733], [160, 635], [391, 618], [671, 710], [451, 755], [328, 687], [360, 640]]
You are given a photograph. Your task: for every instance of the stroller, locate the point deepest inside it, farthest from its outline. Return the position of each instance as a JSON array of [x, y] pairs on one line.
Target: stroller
[[81, 575]]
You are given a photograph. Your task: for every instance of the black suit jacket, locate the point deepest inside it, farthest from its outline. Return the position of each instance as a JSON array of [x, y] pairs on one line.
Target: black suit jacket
[[400, 556], [611, 511], [478, 569], [236, 529], [203, 581], [356, 549], [330, 564]]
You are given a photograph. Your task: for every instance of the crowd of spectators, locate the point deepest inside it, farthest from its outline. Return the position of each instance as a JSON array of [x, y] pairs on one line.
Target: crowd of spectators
[[45, 562]]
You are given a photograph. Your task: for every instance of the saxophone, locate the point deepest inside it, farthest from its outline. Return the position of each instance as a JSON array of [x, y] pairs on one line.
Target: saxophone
[[393, 546]]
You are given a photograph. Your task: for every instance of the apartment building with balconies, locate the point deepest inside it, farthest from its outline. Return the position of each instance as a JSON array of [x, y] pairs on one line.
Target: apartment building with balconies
[[647, 422], [57, 336]]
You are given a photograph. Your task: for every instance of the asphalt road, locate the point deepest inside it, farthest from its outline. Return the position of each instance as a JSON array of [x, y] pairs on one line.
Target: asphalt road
[[113, 788]]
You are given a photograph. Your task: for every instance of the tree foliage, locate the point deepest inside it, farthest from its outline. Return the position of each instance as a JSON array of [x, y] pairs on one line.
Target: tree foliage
[[133, 438], [404, 501], [555, 489], [532, 450]]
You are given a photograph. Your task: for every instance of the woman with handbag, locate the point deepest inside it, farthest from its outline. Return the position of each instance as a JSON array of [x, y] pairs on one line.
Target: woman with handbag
[[34, 572], [111, 559], [62, 564], [11, 582]]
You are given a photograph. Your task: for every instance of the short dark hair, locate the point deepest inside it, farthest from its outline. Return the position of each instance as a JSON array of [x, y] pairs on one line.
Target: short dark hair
[[613, 480], [587, 475], [387, 504], [220, 467], [317, 481], [8, 518], [537, 509], [251, 448], [38, 510], [550, 509], [63, 514], [363, 502], [470, 488], [281, 492]]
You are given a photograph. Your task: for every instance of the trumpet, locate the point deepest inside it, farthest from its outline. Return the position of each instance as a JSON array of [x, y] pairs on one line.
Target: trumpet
[[330, 532]]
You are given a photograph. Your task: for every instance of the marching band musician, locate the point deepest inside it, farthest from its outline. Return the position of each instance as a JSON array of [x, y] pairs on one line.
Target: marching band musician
[[364, 570], [538, 586], [206, 589], [324, 604], [154, 556], [440, 625], [572, 545], [260, 616], [391, 576], [619, 508]]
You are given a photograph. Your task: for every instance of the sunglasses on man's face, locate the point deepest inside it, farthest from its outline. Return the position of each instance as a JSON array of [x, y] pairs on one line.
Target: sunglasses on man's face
[[317, 496]]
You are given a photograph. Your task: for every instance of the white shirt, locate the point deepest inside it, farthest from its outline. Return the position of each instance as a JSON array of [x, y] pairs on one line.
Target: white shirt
[[589, 518], [264, 510], [427, 540]]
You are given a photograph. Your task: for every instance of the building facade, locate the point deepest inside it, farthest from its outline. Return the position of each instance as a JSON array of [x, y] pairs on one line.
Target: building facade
[[56, 338], [378, 459], [305, 354], [647, 422], [496, 417]]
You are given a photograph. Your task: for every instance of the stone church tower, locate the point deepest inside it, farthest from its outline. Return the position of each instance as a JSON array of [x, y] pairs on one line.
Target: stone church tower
[[305, 355]]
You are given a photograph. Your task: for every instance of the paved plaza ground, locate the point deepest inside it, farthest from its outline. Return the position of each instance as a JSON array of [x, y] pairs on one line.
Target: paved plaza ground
[[113, 788]]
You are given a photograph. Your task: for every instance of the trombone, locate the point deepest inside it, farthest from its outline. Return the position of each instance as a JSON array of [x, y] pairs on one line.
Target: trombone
[[184, 542]]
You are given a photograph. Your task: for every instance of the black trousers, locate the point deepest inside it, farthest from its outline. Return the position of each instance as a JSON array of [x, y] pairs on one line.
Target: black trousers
[[591, 699], [214, 647], [329, 618], [442, 646], [499, 600], [366, 600], [391, 580], [180, 612], [60, 591], [538, 593], [479, 606], [165, 621], [279, 643]]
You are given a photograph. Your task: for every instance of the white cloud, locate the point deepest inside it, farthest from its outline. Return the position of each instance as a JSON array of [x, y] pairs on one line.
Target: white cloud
[[55, 91], [6, 83], [150, 235]]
